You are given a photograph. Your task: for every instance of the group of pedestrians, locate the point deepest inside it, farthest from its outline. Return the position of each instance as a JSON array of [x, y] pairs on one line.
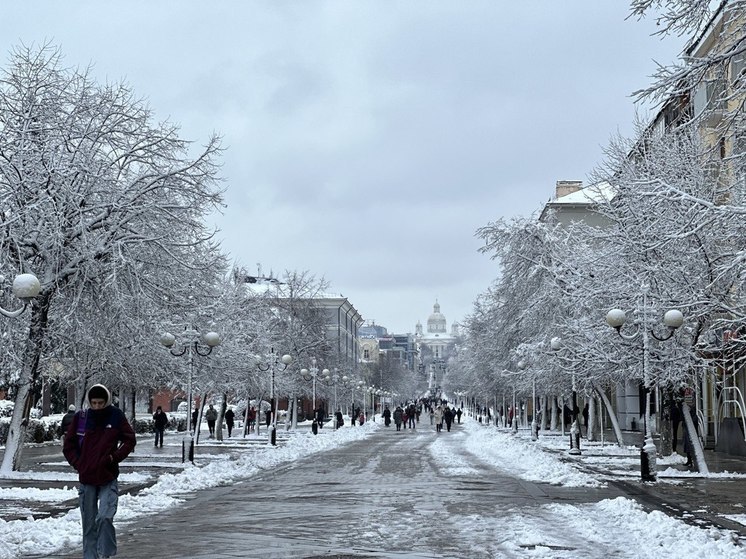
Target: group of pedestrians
[[409, 415]]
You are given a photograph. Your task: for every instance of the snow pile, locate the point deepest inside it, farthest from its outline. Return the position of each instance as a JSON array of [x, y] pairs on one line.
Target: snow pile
[[44, 536], [523, 458]]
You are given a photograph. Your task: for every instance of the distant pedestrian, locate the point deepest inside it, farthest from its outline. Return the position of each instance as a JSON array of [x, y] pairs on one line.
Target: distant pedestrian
[[398, 416], [160, 420], [320, 416], [448, 417], [67, 420], [438, 417], [230, 417], [211, 415], [387, 416], [195, 418], [99, 438], [251, 417], [340, 419], [458, 415], [361, 418]]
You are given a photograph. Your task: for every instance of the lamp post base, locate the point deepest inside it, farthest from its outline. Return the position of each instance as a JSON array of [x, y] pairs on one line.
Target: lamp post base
[[187, 448], [648, 461]]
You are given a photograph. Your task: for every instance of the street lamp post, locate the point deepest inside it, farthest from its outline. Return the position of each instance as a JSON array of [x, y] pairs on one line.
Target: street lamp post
[[672, 320], [190, 346], [271, 365], [333, 380], [312, 373], [25, 287]]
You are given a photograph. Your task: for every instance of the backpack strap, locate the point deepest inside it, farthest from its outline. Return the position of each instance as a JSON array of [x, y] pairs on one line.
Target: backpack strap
[[81, 427]]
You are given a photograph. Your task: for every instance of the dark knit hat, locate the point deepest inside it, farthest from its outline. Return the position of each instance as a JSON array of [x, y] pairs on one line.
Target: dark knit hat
[[99, 391]]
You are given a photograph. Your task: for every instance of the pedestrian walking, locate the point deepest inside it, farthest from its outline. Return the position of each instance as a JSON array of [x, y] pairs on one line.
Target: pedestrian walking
[[411, 415], [458, 415], [386, 416], [195, 417], [67, 419], [320, 417], [211, 415], [448, 417], [160, 420], [438, 417], [230, 417], [361, 418], [99, 438], [398, 415], [340, 419], [432, 415]]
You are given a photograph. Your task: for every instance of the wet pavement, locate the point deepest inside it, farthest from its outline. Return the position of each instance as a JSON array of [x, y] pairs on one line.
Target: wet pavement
[[390, 495], [411, 495]]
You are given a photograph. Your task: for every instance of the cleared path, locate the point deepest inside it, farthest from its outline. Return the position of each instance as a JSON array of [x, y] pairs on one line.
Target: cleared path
[[410, 494]]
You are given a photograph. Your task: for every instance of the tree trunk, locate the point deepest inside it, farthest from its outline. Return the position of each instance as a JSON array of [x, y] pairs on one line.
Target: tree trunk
[[691, 432], [591, 427], [666, 429], [544, 414], [612, 417], [28, 378], [294, 418], [221, 416], [553, 418], [133, 413], [199, 418]]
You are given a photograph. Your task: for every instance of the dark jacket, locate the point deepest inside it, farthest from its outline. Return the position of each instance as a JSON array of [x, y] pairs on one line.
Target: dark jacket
[[229, 416], [106, 440], [160, 420]]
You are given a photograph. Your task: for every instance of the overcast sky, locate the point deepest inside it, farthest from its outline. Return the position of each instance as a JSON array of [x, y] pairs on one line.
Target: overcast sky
[[367, 141]]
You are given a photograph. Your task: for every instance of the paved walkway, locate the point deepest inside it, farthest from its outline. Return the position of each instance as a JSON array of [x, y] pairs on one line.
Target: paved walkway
[[410, 495], [392, 495]]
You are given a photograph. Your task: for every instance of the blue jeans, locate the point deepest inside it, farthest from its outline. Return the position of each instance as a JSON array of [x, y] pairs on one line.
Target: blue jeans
[[98, 505]]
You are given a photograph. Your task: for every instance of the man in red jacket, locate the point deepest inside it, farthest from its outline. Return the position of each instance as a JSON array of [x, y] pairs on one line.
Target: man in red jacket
[[98, 439]]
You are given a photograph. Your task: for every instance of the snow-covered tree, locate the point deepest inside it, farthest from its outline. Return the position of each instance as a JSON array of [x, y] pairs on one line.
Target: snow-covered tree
[[95, 195]]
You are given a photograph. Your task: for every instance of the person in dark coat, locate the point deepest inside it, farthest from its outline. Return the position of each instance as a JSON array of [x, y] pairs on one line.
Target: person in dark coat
[[398, 417], [458, 415], [160, 420], [195, 417], [320, 417], [211, 415], [387, 416], [67, 419], [448, 417], [229, 419], [98, 439], [340, 420]]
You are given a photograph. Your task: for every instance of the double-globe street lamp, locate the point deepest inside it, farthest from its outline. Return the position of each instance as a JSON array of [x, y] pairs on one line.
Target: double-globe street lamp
[[192, 343], [333, 380], [312, 373], [672, 320], [272, 363]]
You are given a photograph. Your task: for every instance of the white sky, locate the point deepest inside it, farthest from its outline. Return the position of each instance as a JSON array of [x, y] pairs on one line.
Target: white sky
[[367, 141], [612, 527]]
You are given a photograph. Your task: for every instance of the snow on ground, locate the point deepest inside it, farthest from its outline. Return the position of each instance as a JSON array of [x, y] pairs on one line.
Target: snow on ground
[[513, 455], [617, 528], [24, 537]]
